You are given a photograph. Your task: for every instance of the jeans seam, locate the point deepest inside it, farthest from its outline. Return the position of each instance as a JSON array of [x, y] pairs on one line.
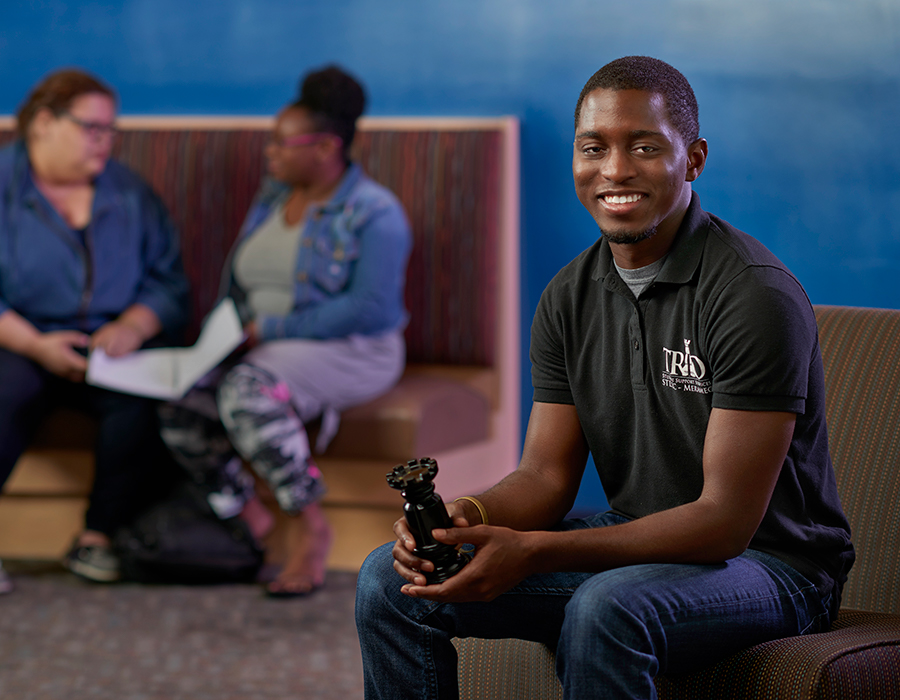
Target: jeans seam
[[426, 611], [542, 591], [431, 684], [814, 620]]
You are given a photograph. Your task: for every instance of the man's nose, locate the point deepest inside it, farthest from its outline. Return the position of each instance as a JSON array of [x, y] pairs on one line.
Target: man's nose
[[618, 165]]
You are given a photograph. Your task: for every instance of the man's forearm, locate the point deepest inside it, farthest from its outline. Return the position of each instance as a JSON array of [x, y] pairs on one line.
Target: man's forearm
[[542, 490], [524, 500], [700, 532]]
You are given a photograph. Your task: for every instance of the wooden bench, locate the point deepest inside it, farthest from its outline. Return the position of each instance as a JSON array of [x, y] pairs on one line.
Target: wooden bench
[[458, 401]]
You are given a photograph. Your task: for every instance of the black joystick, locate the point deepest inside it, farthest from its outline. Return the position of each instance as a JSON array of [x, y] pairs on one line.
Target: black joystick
[[425, 511]]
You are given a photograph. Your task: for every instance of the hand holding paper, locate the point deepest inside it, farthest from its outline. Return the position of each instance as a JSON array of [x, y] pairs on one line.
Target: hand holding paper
[[168, 373]]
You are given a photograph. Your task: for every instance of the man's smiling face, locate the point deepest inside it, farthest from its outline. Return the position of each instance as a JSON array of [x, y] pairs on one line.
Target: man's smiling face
[[631, 166]]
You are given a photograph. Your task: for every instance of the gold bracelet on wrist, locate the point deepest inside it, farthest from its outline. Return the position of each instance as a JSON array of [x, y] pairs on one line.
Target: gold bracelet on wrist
[[478, 505]]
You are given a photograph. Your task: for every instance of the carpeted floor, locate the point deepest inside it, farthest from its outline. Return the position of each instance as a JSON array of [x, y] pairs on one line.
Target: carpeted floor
[[65, 639]]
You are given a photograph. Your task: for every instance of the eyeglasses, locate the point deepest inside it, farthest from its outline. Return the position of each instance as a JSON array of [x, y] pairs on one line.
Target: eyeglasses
[[301, 139], [95, 130]]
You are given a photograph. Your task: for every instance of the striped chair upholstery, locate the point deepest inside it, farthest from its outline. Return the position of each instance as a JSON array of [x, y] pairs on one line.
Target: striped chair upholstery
[[452, 272], [458, 400], [207, 179], [860, 656], [448, 182]]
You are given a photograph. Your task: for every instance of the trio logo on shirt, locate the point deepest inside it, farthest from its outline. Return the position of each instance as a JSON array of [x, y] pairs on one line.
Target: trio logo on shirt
[[684, 371]]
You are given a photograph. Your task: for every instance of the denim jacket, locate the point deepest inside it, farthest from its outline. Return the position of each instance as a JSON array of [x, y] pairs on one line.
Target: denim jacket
[[56, 280], [351, 263]]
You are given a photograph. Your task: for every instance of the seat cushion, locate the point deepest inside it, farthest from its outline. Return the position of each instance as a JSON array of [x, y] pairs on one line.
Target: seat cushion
[[858, 658], [506, 669], [424, 414], [66, 428], [433, 408]]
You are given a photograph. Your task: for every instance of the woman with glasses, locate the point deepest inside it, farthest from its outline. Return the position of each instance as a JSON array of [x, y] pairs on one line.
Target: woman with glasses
[[88, 259], [318, 274]]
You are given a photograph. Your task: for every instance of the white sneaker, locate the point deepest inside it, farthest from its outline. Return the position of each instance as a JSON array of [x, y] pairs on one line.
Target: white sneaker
[[93, 562]]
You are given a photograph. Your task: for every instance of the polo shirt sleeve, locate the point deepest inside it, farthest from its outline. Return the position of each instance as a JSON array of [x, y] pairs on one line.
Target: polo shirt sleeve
[[762, 338], [548, 363]]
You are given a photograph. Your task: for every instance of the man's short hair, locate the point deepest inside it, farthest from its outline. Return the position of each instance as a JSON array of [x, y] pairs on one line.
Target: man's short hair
[[651, 75]]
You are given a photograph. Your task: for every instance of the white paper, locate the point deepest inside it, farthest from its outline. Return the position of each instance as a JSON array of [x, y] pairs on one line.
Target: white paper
[[168, 373]]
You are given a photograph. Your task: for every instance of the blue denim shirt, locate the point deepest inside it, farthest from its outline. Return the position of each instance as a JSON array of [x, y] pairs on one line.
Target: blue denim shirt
[[351, 263], [57, 280]]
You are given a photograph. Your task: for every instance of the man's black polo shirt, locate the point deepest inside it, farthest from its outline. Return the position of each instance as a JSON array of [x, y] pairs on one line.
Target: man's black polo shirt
[[724, 325]]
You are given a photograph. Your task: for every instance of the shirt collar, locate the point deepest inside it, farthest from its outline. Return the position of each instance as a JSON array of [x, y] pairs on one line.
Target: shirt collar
[[279, 191], [345, 188], [684, 256]]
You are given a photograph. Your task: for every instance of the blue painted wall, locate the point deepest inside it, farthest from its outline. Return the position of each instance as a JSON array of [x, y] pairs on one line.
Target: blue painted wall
[[800, 100]]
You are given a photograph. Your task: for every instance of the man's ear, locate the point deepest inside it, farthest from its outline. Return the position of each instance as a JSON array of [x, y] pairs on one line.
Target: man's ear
[[696, 159]]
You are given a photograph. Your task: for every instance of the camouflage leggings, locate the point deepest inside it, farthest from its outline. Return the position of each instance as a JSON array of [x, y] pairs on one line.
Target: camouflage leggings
[[247, 415]]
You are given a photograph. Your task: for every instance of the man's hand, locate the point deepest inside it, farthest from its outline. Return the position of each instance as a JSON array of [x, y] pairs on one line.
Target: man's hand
[[502, 559], [406, 563], [55, 352], [526, 503], [117, 338]]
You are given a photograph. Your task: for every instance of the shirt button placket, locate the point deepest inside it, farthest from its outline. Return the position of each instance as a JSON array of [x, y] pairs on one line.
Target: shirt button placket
[[637, 356]]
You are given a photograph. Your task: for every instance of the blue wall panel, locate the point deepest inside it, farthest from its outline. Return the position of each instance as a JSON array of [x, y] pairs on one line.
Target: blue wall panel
[[799, 100]]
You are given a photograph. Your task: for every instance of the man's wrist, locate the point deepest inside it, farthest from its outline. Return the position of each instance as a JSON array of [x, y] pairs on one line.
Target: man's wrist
[[471, 503]]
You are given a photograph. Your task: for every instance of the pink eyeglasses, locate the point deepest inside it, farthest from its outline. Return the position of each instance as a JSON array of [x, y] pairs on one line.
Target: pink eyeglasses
[[301, 139]]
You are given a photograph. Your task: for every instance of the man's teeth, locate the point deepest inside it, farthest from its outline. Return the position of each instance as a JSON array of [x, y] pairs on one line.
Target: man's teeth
[[622, 199]]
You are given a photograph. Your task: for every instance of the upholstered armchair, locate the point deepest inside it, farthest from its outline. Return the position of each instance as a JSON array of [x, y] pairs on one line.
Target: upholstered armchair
[[860, 656]]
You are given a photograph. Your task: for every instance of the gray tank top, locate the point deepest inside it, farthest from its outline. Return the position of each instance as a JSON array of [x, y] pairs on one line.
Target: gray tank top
[[264, 265]]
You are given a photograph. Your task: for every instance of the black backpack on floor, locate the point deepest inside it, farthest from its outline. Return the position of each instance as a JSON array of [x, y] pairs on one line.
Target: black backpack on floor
[[180, 540]]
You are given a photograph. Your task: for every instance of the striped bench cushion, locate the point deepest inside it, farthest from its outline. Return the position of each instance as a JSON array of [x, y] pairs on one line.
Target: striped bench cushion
[[448, 181]]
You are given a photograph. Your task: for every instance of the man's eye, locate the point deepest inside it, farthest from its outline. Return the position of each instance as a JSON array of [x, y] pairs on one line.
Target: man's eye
[[645, 149]]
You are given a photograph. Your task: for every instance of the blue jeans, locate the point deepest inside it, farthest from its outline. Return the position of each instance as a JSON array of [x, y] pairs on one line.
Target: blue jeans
[[613, 632]]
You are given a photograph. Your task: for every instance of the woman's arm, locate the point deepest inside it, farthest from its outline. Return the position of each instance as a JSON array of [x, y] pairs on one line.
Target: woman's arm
[[54, 351], [136, 325]]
